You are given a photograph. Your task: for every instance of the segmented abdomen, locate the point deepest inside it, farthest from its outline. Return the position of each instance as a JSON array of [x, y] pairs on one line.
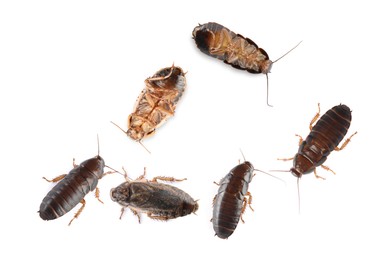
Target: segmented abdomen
[[326, 134], [67, 193], [331, 128], [229, 200], [227, 211]]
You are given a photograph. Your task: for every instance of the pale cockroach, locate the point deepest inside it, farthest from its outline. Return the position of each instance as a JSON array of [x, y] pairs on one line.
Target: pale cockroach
[[242, 53], [159, 201], [324, 137], [156, 103], [72, 188]]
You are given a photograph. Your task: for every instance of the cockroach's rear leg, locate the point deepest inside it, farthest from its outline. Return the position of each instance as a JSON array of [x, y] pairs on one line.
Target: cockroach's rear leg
[[157, 217], [318, 176], [79, 211], [345, 143], [247, 201], [168, 179], [327, 168], [315, 118], [56, 179]]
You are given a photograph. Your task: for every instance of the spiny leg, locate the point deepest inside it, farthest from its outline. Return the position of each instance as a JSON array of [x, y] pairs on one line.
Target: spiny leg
[[97, 195], [327, 168], [164, 218], [164, 77], [315, 118], [78, 212], [137, 215], [56, 179], [317, 176], [168, 179], [122, 212], [345, 143], [246, 202]]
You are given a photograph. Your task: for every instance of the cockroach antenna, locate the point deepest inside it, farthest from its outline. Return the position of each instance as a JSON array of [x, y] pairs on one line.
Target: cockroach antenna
[[126, 134], [98, 143], [266, 75], [261, 170], [299, 197], [287, 52], [143, 146]]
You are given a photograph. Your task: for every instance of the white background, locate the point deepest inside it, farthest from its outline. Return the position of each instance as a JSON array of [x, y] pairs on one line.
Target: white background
[[69, 68]]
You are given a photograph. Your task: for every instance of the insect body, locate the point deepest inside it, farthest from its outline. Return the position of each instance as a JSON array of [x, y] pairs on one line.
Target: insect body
[[242, 53], [323, 138], [231, 199], [159, 201], [156, 103], [72, 188]]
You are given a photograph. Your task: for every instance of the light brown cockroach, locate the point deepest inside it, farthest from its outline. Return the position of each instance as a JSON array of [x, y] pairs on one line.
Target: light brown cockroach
[[156, 103], [242, 53]]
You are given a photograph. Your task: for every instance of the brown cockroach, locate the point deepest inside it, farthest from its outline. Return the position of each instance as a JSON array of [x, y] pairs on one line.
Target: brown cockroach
[[72, 188], [156, 103], [324, 137], [232, 198], [242, 53], [159, 201]]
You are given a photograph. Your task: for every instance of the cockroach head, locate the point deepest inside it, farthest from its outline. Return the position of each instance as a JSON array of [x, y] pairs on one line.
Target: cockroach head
[[120, 193], [265, 66], [295, 172]]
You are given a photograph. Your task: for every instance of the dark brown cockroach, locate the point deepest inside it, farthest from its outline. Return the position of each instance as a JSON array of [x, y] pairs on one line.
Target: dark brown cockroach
[[242, 53], [156, 103], [232, 199], [72, 188], [324, 137], [159, 201]]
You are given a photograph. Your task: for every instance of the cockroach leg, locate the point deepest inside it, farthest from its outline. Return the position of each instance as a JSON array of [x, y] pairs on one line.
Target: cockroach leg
[[161, 78], [285, 159], [315, 118], [97, 195], [249, 200], [137, 215], [318, 176], [165, 111], [74, 163], [328, 169], [345, 143], [56, 179], [122, 212], [149, 99], [79, 211], [300, 139], [167, 179], [156, 217]]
